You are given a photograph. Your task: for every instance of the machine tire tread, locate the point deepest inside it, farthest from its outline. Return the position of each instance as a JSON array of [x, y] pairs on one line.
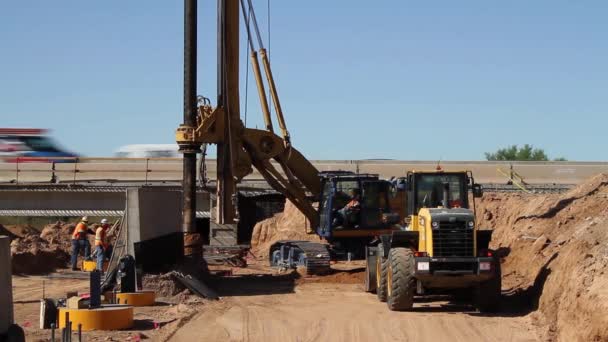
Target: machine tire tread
[[381, 289], [402, 280]]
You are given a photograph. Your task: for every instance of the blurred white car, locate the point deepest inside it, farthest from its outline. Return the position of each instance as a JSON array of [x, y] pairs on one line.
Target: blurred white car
[[148, 151]]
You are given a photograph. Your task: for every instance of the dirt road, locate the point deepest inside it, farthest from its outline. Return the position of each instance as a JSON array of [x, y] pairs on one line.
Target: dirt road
[[258, 306], [342, 312]]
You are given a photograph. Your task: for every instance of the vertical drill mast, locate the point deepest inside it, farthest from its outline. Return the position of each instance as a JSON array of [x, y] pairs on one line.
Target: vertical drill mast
[[228, 100], [192, 248]]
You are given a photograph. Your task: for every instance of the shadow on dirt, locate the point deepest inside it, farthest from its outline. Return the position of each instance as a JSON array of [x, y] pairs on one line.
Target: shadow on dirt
[[524, 301], [254, 284]]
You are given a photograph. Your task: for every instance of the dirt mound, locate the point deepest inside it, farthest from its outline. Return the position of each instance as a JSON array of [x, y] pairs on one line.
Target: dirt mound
[[165, 285], [21, 231], [555, 250], [34, 255], [335, 277], [39, 261], [58, 235], [291, 224], [35, 252]]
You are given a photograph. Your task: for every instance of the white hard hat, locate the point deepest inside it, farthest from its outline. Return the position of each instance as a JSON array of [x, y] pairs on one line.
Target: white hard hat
[[85, 218], [104, 221]]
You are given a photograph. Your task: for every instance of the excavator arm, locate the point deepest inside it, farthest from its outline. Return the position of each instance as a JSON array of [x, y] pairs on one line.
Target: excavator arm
[[284, 168]]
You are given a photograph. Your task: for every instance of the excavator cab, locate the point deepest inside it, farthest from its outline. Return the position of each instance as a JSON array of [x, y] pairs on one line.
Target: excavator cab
[[372, 214], [347, 233]]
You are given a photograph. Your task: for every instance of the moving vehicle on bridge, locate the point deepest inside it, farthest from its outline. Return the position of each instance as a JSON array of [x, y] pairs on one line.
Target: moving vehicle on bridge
[[31, 145]]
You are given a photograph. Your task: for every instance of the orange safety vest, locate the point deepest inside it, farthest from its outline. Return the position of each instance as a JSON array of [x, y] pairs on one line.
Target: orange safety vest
[[100, 237], [353, 203], [80, 232]]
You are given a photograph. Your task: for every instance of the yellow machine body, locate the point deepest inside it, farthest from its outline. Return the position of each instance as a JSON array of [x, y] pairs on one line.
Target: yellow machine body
[[422, 223], [422, 220], [89, 265]]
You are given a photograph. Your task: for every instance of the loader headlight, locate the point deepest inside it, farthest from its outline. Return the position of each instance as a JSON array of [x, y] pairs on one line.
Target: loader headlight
[[435, 225], [471, 224], [421, 221]]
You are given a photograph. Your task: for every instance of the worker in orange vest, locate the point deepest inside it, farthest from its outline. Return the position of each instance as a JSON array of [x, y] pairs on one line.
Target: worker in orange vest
[[80, 241], [102, 247]]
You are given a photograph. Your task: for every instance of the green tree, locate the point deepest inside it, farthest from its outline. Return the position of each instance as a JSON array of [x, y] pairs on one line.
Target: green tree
[[526, 152]]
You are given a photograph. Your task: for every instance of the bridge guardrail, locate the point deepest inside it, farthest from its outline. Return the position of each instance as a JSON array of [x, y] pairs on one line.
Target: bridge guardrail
[[75, 170]]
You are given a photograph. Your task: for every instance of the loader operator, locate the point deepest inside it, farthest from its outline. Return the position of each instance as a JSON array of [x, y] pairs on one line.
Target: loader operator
[[80, 241], [103, 249], [349, 215]]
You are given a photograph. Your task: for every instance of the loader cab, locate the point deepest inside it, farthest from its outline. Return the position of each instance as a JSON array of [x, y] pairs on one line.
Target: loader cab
[[439, 189], [374, 204]]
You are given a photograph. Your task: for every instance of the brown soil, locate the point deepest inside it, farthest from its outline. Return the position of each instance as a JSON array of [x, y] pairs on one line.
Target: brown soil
[[38, 252], [153, 323], [555, 250], [336, 277], [165, 285], [342, 312], [21, 231], [291, 224]]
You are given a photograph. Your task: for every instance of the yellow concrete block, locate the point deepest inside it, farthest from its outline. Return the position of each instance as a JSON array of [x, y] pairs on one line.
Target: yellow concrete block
[[142, 298], [107, 317]]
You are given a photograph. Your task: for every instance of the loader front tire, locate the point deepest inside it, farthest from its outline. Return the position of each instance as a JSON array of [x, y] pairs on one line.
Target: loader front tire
[[401, 283]]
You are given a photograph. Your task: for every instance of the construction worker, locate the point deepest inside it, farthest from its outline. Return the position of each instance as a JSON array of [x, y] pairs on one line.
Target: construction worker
[[80, 241], [350, 213], [103, 249], [354, 199]]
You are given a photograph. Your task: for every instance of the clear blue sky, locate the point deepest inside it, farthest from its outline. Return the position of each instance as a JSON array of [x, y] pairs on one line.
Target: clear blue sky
[[357, 79]]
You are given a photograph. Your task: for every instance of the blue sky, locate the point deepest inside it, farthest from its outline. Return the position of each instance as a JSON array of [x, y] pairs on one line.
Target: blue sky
[[357, 79]]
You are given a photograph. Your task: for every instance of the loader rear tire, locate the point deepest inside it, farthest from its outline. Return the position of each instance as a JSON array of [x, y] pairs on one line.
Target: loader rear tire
[[488, 294], [381, 270], [401, 283]]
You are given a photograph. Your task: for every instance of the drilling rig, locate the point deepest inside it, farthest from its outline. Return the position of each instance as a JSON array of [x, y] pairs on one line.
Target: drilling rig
[[286, 170]]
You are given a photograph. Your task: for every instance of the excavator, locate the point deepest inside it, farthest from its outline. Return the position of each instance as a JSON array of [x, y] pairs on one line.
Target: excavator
[[417, 233]]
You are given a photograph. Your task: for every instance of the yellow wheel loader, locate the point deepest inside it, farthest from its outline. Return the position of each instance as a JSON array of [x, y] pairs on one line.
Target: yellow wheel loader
[[440, 248]]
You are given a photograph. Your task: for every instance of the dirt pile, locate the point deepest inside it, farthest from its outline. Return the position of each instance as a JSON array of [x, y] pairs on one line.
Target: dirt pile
[[336, 277], [21, 231], [555, 250], [165, 285], [291, 224], [59, 235], [34, 255], [35, 252]]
